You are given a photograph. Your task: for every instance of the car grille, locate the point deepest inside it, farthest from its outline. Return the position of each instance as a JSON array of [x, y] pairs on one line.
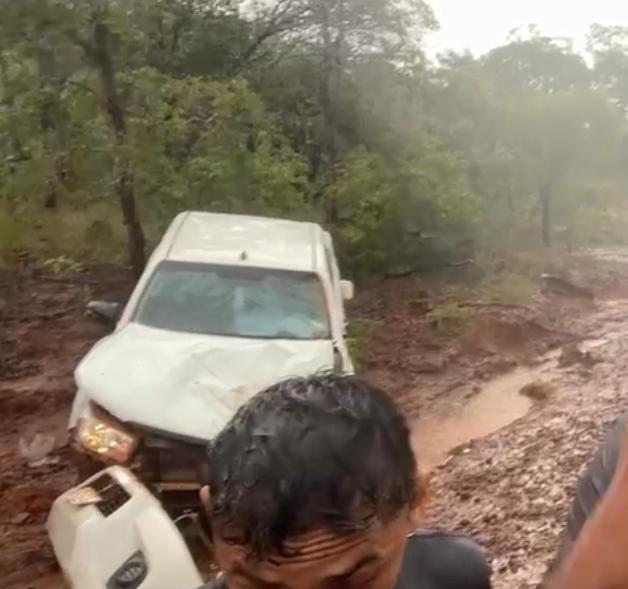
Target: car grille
[[169, 460], [112, 495]]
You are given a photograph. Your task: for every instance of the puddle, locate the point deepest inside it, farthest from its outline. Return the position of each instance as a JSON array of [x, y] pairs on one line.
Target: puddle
[[497, 405]]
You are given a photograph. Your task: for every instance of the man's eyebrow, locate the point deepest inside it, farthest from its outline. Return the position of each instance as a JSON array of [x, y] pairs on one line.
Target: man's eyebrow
[[364, 562], [241, 571]]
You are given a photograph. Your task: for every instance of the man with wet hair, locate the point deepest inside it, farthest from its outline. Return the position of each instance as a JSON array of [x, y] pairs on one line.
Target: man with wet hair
[[314, 485]]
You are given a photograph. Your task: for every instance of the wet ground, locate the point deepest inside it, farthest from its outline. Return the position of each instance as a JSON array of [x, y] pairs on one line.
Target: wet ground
[[506, 413], [497, 404], [512, 488], [43, 332], [507, 404]]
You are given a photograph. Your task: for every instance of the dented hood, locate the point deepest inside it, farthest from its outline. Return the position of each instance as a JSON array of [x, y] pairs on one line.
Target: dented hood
[[189, 384]]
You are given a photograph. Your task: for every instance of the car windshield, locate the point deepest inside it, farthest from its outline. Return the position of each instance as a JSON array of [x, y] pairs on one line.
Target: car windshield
[[235, 301]]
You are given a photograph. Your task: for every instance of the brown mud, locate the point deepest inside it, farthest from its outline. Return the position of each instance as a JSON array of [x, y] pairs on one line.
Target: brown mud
[[507, 409], [502, 463], [43, 333]]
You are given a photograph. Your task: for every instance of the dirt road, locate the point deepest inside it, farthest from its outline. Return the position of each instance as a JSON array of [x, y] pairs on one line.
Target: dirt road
[[511, 489], [458, 378]]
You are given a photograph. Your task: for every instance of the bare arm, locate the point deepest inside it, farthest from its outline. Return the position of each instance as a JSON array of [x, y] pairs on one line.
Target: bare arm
[[599, 557]]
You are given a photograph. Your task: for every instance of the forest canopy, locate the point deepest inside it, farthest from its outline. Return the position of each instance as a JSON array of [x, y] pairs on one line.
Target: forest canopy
[[117, 114]]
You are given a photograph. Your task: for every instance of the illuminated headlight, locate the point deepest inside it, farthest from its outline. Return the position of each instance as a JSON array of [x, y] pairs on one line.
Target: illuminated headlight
[[101, 434]]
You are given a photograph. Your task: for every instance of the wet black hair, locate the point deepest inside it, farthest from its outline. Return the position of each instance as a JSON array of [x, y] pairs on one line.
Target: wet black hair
[[327, 450]]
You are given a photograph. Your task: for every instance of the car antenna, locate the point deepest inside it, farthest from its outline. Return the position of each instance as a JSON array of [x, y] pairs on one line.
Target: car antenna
[[244, 256]]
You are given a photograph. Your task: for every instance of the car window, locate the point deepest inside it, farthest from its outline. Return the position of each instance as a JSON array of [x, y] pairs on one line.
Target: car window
[[235, 301]]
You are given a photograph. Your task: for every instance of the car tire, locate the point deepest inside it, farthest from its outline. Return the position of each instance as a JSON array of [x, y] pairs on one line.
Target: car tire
[[590, 488]]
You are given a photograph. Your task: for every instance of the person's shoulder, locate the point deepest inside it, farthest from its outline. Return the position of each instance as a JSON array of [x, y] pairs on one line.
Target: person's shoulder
[[446, 543], [441, 560]]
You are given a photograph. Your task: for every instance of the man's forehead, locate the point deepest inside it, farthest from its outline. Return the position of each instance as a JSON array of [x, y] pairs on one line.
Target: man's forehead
[[321, 546]]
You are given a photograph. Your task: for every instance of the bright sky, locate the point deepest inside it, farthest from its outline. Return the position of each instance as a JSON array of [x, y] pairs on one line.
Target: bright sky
[[480, 25]]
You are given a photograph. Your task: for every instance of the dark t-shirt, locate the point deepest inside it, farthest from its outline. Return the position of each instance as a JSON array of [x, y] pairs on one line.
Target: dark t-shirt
[[436, 560]]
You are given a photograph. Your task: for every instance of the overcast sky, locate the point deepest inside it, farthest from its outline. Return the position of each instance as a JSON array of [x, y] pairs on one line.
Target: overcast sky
[[480, 25]]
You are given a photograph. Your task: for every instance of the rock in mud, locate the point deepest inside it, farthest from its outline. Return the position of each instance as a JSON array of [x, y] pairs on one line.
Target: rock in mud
[[572, 355], [538, 391], [37, 451], [20, 518]]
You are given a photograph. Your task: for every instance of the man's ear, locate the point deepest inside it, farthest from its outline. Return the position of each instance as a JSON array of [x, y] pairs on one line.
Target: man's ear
[[206, 496]]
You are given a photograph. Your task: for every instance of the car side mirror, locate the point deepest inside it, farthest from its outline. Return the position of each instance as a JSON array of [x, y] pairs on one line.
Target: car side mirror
[[347, 289], [107, 313]]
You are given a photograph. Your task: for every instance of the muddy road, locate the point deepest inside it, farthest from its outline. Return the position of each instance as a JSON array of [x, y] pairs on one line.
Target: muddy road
[[502, 463], [512, 488], [43, 332], [506, 412]]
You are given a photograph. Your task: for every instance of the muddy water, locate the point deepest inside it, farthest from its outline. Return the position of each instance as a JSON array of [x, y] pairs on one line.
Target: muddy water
[[495, 406], [498, 403]]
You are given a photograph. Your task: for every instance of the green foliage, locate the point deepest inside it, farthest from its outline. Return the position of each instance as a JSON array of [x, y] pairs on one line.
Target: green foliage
[[511, 288], [358, 334], [447, 316], [379, 199], [309, 110], [211, 145], [95, 235], [362, 194]]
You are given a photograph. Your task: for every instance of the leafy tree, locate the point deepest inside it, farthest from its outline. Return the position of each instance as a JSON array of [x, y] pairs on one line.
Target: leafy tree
[[311, 109], [609, 47], [539, 64]]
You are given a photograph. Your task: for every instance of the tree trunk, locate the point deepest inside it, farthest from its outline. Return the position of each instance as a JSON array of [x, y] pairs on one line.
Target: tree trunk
[[327, 103], [125, 180], [50, 199], [46, 117], [546, 214]]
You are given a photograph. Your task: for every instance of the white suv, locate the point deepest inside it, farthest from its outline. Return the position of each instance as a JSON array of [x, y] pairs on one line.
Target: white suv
[[227, 306]]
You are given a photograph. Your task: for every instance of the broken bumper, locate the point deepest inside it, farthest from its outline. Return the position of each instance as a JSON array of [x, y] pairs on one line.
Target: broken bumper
[[111, 533]]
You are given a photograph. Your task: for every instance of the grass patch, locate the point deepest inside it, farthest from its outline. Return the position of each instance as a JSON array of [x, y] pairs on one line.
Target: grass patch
[[515, 278], [448, 316], [62, 264], [358, 335], [510, 288], [67, 236]]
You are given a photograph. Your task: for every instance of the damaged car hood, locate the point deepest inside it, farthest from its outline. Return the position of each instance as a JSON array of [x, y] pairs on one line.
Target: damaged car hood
[[189, 384]]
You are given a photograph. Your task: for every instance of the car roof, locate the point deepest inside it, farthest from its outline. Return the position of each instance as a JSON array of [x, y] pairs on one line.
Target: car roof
[[244, 240]]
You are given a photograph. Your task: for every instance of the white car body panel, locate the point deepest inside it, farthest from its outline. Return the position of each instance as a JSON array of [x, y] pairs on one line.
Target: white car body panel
[[189, 384], [90, 547]]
